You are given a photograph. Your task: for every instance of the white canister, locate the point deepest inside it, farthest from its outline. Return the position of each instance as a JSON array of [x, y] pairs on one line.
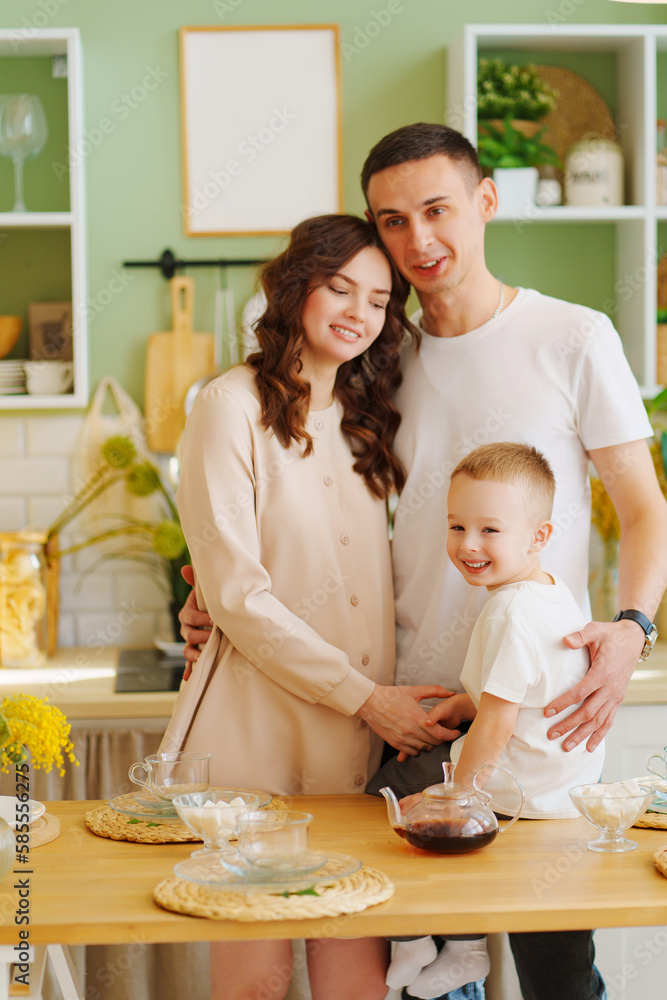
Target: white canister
[[594, 173]]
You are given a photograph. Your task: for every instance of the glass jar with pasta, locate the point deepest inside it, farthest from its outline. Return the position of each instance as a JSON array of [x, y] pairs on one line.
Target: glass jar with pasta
[[23, 599]]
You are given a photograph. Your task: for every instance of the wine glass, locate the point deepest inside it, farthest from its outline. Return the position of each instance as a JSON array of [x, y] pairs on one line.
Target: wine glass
[[23, 132]]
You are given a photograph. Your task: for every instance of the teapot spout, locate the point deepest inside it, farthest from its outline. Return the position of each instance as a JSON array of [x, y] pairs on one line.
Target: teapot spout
[[393, 809]]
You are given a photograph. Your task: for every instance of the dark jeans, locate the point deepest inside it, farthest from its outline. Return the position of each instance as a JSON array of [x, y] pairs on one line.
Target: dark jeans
[[557, 965]]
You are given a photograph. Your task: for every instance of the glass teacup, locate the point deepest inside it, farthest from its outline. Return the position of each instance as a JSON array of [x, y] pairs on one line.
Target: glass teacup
[[275, 841], [172, 773], [657, 763]]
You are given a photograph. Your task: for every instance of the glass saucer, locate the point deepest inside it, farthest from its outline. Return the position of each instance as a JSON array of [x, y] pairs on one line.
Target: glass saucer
[[128, 806], [234, 862], [146, 801], [209, 871]]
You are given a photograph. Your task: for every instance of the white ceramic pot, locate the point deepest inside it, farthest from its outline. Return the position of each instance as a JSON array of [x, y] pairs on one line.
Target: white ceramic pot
[[594, 174], [517, 188]]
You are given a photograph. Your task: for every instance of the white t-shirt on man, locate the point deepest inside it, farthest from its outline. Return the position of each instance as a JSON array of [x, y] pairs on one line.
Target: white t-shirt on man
[[516, 652], [544, 372]]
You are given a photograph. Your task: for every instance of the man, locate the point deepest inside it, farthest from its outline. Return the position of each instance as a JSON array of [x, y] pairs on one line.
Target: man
[[499, 363]]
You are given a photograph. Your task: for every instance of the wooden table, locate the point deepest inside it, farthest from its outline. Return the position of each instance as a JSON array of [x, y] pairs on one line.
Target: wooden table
[[540, 876]]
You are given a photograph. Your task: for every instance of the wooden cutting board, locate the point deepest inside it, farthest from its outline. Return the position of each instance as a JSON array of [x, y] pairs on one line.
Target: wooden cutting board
[[174, 360]]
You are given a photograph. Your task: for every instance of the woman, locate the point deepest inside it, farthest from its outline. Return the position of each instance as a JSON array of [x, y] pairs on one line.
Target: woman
[[286, 467]]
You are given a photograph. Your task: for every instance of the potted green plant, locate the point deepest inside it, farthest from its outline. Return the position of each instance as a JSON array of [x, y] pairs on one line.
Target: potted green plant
[[513, 158], [514, 92]]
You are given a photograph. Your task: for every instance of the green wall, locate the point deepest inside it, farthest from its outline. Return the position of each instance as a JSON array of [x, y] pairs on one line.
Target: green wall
[[134, 177]]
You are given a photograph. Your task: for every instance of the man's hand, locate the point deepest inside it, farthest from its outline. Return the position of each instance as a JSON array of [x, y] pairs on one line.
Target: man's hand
[[196, 625], [395, 714], [615, 648]]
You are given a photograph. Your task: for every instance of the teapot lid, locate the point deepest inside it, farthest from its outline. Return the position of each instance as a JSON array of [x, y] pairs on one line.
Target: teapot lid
[[450, 790]]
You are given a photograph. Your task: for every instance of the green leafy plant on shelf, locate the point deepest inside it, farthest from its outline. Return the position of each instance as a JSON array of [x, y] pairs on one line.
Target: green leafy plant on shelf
[[158, 545], [510, 91], [507, 147]]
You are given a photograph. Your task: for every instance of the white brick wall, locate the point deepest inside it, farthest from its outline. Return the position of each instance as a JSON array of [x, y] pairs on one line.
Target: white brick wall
[[116, 604]]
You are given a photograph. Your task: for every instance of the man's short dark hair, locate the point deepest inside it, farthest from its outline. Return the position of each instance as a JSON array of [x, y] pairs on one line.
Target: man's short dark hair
[[418, 142]]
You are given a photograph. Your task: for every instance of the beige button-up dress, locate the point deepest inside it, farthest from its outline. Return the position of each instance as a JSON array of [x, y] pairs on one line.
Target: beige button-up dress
[[292, 562]]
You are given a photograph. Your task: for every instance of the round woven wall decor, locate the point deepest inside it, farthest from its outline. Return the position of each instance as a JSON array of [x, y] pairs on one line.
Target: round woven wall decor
[[579, 111]]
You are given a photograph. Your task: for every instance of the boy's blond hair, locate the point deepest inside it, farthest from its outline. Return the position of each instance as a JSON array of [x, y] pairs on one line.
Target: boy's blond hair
[[520, 464]]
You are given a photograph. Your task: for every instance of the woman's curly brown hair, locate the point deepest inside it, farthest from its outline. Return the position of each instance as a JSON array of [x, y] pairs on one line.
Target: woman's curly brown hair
[[319, 248]]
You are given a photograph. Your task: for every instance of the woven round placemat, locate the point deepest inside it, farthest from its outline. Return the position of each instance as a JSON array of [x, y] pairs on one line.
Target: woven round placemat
[[366, 887], [579, 110], [106, 822], [652, 821], [660, 860]]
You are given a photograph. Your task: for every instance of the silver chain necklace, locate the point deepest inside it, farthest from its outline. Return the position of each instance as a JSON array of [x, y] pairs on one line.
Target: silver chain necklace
[[501, 300]]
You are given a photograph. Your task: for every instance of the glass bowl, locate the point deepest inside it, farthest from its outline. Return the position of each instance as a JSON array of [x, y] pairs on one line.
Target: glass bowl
[[215, 823], [612, 808]]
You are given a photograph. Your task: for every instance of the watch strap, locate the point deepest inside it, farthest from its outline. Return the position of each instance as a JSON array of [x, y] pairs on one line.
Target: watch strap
[[635, 616]]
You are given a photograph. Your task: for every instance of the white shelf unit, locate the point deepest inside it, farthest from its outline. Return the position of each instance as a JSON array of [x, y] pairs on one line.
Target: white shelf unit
[[635, 49], [20, 43]]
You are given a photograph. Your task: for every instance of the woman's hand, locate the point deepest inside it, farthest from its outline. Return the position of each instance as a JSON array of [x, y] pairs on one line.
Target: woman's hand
[[196, 625], [395, 714]]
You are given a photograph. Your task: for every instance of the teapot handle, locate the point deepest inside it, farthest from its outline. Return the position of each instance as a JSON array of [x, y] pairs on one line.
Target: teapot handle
[[501, 767]]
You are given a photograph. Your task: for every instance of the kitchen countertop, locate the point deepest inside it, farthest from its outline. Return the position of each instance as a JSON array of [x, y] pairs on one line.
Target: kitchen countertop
[[81, 681]]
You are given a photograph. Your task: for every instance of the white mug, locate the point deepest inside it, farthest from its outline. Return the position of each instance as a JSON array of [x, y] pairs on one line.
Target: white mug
[[48, 378]]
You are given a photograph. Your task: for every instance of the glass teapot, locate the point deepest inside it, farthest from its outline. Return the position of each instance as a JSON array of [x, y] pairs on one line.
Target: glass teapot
[[450, 818]]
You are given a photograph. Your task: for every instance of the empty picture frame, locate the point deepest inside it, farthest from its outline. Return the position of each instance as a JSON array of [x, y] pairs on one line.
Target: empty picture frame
[[260, 127]]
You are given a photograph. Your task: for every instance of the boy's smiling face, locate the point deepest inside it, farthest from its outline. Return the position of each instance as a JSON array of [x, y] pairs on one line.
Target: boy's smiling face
[[494, 538]]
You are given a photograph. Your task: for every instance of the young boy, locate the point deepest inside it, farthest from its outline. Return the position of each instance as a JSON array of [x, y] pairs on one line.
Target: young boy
[[499, 508]]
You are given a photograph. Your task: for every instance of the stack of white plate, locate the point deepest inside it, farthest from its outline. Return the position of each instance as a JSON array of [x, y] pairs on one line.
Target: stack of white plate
[[11, 811], [12, 378]]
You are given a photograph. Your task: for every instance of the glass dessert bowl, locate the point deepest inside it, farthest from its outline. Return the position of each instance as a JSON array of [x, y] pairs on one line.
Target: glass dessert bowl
[[612, 807], [212, 815]]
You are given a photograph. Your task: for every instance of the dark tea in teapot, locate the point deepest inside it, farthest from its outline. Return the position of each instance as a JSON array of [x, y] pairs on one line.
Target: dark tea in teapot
[[445, 838]]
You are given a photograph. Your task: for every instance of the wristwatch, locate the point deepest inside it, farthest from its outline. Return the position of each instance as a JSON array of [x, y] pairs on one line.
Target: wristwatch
[[650, 630]]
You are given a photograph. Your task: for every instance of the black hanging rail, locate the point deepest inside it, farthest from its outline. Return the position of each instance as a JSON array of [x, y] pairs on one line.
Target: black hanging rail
[[169, 264]]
